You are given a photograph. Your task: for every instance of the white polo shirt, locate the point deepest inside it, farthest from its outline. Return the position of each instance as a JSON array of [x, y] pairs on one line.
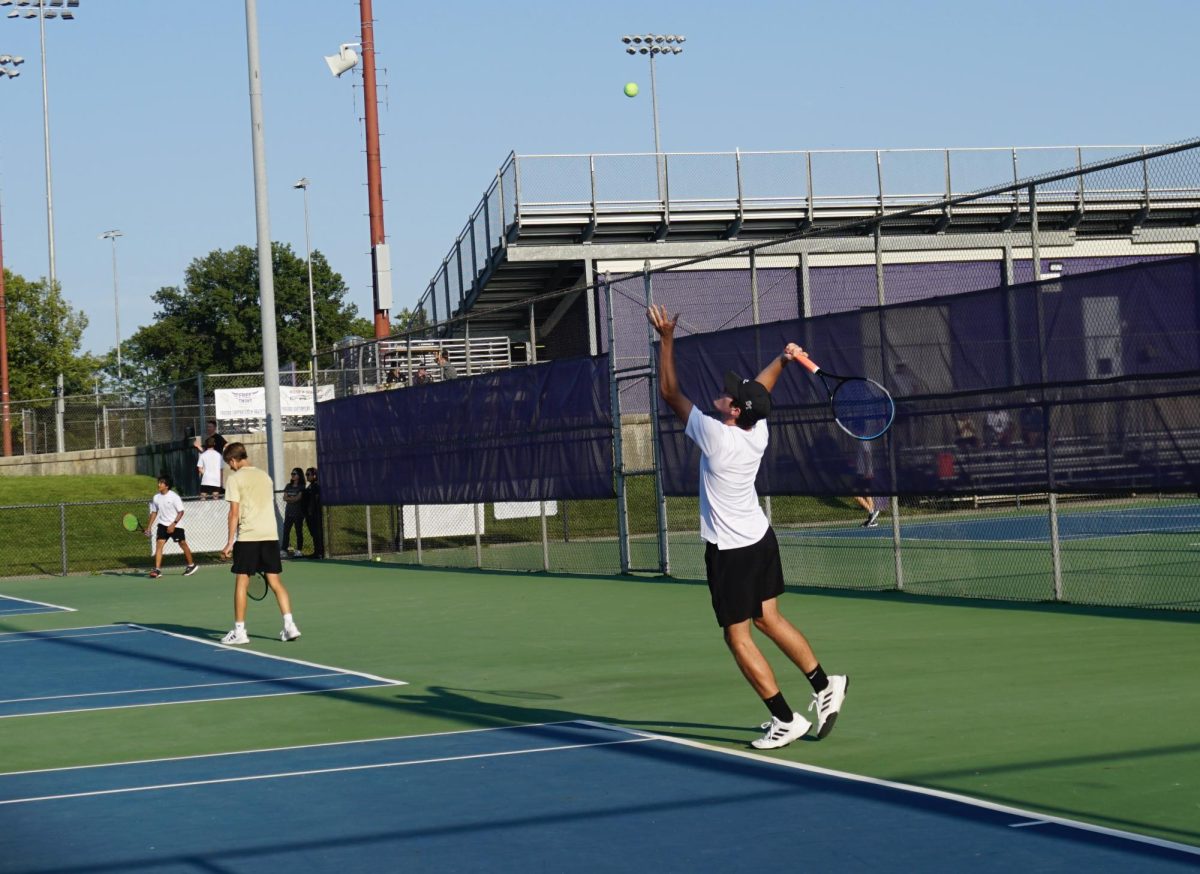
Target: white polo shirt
[[730, 515], [210, 465]]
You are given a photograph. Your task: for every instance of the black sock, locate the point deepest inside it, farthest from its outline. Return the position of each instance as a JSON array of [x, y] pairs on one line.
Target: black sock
[[818, 679], [778, 707]]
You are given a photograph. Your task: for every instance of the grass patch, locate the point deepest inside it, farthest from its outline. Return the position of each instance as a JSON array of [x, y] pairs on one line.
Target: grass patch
[[73, 489]]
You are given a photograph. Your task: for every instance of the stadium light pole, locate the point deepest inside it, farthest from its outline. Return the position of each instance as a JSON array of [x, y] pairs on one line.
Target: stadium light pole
[[112, 235], [41, 10], [266, 279], [8, 70], [653, 45], [312, 307], [381, 261]]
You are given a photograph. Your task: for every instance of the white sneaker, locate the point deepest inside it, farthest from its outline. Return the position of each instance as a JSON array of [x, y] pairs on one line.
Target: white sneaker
[[828, 702], [780, 734], [290, 632], [236, 638], [872, 520]]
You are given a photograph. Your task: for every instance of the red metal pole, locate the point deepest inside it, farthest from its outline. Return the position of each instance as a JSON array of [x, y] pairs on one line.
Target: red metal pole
[[374, 175], [7, 426]]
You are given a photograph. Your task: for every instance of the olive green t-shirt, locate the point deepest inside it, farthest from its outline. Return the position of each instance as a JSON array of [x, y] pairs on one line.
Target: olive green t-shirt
[[251, 489]]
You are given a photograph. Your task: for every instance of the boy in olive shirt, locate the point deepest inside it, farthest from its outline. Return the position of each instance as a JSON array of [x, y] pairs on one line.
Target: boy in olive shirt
[[253, 541]]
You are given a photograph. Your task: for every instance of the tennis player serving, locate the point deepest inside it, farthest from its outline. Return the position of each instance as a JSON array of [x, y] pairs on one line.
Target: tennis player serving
[[741, 554]]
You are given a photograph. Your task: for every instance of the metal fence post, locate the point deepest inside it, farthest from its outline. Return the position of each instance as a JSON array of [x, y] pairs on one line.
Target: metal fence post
[[618, 452], [62, 535], [478, 539], [660, 500], [202, 424], [417, 531], [370, 535], [1035, 254], [542, 502]]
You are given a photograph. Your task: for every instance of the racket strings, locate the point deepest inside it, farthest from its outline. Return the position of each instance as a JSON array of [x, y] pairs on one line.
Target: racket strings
[[863, 408]]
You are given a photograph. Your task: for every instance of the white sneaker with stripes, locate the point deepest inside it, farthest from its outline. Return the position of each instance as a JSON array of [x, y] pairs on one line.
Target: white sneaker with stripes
[[780, 734]]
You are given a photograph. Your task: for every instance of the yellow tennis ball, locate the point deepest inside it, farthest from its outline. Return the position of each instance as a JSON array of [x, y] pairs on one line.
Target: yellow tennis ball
[[377, 558], [631, 89]]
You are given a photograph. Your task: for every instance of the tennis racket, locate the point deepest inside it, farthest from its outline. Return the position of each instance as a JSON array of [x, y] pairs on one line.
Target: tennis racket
[[861, 407], [258, 588]]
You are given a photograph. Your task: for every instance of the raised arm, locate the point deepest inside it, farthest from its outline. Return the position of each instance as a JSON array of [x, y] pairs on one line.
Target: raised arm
[[668, 385], [770, 374]]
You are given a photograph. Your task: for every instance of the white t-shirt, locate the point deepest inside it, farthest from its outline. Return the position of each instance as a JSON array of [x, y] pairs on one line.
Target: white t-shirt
[[210, 465], [730, 515], [169, 508]]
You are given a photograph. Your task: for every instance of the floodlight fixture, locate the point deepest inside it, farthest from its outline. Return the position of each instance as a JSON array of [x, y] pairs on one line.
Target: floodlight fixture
[[654, 44]]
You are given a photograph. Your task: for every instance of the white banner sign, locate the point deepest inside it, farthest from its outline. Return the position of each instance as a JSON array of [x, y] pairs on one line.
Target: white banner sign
[[442, 520], [523, 509], [251, 403]]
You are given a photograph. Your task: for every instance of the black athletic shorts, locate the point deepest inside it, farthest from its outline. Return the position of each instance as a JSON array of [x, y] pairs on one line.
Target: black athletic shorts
[[163, 534], [257, 557], [211, 490], [739, 580]]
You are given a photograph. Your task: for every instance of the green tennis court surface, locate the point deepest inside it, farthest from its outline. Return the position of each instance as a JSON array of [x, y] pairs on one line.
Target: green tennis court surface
[[1084, 714]]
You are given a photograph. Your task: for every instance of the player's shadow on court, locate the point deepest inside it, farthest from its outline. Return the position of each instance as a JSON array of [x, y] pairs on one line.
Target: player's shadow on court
[[489, 708]]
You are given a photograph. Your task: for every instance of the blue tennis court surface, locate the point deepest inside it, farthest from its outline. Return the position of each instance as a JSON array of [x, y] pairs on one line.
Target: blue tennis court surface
[[128, 665], [573, 796], [10, 606], [1034, 528]]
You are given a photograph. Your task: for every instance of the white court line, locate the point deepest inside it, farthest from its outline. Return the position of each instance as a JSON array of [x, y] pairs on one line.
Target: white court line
[[1033, 818], [387, 681], [317, 771], [295, 747], [50, 633], [170, 688], [39, 603], [39, 637], [1027, 824]]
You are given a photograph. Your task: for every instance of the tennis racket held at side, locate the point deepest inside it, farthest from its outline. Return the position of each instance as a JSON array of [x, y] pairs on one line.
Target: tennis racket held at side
[[862, 408]]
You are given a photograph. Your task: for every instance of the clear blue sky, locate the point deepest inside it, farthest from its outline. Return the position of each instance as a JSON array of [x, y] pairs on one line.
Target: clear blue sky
[[150, 129]]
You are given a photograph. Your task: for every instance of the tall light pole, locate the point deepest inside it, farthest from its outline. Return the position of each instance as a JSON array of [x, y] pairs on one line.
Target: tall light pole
[[312, 308], [112, 235], [266, 279], [8, 69], [653, 44], [41, 10], [381, 260]]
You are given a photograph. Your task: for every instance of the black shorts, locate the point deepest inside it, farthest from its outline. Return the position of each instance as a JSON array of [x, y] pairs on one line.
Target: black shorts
[[211, 490], [163, 534], [257, 557], [739, 580]]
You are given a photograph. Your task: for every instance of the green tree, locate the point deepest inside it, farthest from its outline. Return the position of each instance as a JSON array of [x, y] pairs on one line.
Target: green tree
[[409, 320], [44, 336], [212, 324]]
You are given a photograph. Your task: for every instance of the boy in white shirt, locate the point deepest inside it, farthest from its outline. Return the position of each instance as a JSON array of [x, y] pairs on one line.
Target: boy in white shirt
[[209, 467], [166, 512], [745, 573]]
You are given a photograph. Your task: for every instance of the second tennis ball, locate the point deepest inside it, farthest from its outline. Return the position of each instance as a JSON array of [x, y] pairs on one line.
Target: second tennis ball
[[631, 89]]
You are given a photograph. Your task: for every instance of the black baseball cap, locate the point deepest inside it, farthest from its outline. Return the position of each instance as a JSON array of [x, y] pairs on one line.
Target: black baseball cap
[[750, 395]]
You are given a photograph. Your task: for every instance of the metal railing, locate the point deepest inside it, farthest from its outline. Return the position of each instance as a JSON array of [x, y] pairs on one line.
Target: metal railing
[[811, 182]]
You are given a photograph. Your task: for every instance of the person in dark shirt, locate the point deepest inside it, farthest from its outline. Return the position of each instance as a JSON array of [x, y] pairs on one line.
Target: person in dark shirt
[[312, 513]]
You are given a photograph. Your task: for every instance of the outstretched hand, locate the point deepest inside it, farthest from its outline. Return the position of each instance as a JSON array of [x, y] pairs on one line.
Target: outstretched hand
[[793, 352], [663, 324]]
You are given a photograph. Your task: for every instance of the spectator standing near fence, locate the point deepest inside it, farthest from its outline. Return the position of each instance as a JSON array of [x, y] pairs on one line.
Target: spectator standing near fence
[[745, 573], [293, 514], [209, 466], [312, 513], [212, 434], [253, 542], [166, 512], [447, 370]]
